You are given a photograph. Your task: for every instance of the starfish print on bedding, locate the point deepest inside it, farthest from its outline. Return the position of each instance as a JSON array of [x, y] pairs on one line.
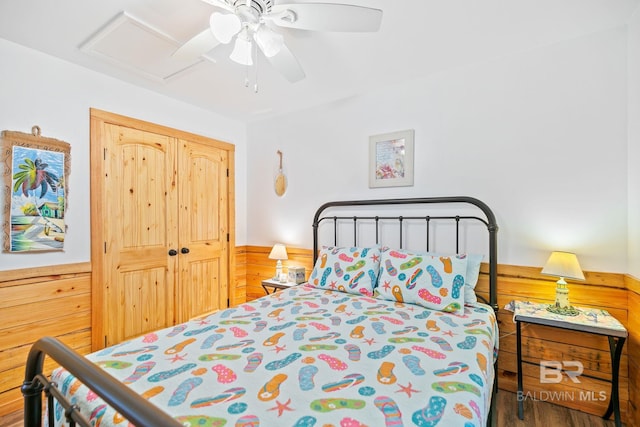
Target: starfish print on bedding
[[370, 341], [449, 333], [281, 407], [407, 389], [177, 358], [333, 285], [278, 348], [386, 285], [375, 258]]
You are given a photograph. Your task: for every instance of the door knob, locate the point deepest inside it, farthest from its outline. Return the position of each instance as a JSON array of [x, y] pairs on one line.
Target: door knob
[[184, 250], [173, 252]]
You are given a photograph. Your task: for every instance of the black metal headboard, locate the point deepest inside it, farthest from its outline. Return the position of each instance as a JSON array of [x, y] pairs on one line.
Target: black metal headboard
[[489, 221]]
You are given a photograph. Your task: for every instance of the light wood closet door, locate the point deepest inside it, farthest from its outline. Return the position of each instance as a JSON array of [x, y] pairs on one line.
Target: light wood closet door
[[141, 226], [203, 225], [162, 222]]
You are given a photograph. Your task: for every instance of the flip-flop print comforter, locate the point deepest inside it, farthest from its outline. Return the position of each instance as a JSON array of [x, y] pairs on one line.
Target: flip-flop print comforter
[[308, 357]]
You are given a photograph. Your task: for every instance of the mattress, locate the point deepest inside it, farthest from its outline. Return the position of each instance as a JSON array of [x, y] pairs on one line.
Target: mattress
[[308, 357]]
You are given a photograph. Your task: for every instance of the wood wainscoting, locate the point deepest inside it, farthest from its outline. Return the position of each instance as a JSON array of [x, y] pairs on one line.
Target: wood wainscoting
[[238, 292], [47, 301]]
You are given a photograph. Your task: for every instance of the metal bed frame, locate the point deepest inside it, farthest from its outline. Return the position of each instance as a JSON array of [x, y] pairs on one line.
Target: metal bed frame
[[130, 405], [141, 412], [489, 221]]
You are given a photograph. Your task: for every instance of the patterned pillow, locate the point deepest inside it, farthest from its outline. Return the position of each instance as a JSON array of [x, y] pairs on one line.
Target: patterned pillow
[[353, 270], [435, 282], [471, 276]]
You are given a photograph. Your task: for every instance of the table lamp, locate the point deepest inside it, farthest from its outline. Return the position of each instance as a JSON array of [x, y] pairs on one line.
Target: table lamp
[[278, 252], [563, 265]]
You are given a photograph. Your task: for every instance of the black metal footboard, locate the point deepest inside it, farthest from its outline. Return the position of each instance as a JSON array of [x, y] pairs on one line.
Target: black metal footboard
[[129, 404]]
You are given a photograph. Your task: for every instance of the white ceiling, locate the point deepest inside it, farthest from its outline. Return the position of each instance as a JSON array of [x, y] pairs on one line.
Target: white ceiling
[[417, 37]]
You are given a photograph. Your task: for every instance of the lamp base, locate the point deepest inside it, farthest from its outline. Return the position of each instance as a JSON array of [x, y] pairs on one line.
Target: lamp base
[[278, 271], [564, 311]]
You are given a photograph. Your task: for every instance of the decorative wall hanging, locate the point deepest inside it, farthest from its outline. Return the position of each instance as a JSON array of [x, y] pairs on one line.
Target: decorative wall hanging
[[35, 173], [391, 159], [281, 179]]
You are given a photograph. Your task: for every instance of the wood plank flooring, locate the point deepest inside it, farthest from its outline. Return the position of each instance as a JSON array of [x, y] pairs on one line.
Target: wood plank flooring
[[535, 414]]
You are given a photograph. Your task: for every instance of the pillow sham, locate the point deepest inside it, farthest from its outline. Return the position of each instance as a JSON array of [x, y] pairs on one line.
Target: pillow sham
[[471, 276], [353, 270], [431, 281]]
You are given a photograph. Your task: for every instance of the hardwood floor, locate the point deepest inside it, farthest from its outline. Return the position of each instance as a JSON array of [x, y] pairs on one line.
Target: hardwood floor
[[535, 414]]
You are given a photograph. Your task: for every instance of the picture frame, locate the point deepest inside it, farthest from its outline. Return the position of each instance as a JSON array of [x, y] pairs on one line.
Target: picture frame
[[34, 173], [391, 159]]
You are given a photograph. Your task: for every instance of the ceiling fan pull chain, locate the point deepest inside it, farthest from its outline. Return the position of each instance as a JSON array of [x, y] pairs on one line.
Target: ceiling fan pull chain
[[255, 86]]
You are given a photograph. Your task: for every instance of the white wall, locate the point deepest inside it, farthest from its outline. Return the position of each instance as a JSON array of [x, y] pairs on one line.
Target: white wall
[[540, 137], [39, 89], [633, 50]]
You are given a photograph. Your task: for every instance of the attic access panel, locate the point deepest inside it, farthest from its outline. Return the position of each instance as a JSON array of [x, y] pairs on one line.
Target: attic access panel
[[131, 44]]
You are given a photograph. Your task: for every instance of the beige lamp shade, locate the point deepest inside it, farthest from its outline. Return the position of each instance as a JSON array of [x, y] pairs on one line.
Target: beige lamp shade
[[279, 251], [564, 265]]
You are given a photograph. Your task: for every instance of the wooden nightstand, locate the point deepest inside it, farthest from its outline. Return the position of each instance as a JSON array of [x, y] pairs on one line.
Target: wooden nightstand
[[275, 285], [589, 320]]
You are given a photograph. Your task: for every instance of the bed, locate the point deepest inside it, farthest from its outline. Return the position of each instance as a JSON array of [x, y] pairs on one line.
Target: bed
[[382, 334]]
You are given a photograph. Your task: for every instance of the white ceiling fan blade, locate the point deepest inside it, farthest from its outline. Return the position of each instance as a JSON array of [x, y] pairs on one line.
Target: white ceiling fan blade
[[327, 17], [221, 4], [198, 45], [285, 62]]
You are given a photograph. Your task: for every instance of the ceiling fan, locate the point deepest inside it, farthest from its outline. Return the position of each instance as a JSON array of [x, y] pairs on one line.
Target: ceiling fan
[[252, 21]]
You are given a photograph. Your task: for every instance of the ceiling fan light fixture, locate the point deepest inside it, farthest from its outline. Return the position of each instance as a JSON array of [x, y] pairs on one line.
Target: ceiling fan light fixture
[[269, 42], [224, 26], [242, 50]]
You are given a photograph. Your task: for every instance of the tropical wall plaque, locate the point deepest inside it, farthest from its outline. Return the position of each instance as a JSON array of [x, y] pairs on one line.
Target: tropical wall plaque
[[35, 172]]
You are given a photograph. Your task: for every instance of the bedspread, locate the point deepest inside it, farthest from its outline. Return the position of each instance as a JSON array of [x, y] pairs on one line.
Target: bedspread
[[308, 357]]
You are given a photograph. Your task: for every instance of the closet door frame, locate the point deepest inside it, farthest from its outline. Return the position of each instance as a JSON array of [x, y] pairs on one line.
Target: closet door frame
[[99, 206]]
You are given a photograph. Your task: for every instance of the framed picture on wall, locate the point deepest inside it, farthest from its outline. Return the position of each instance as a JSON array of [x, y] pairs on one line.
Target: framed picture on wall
[[391, 159], [36, 170]]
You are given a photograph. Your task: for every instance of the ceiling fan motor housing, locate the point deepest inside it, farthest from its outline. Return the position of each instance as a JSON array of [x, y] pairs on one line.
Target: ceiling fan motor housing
[[259, 7]]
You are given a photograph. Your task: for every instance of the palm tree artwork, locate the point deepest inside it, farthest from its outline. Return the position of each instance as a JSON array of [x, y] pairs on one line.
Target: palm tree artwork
[[38, 200]]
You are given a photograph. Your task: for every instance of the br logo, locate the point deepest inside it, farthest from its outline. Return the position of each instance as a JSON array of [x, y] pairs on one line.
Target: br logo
[[551, 371]]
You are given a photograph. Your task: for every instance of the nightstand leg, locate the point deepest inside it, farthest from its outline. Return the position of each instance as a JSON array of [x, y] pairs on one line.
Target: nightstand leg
[[519, 396], [615, 348]]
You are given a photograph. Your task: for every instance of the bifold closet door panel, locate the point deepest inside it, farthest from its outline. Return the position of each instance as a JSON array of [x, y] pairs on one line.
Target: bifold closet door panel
[[141, 228], [203, 229]]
